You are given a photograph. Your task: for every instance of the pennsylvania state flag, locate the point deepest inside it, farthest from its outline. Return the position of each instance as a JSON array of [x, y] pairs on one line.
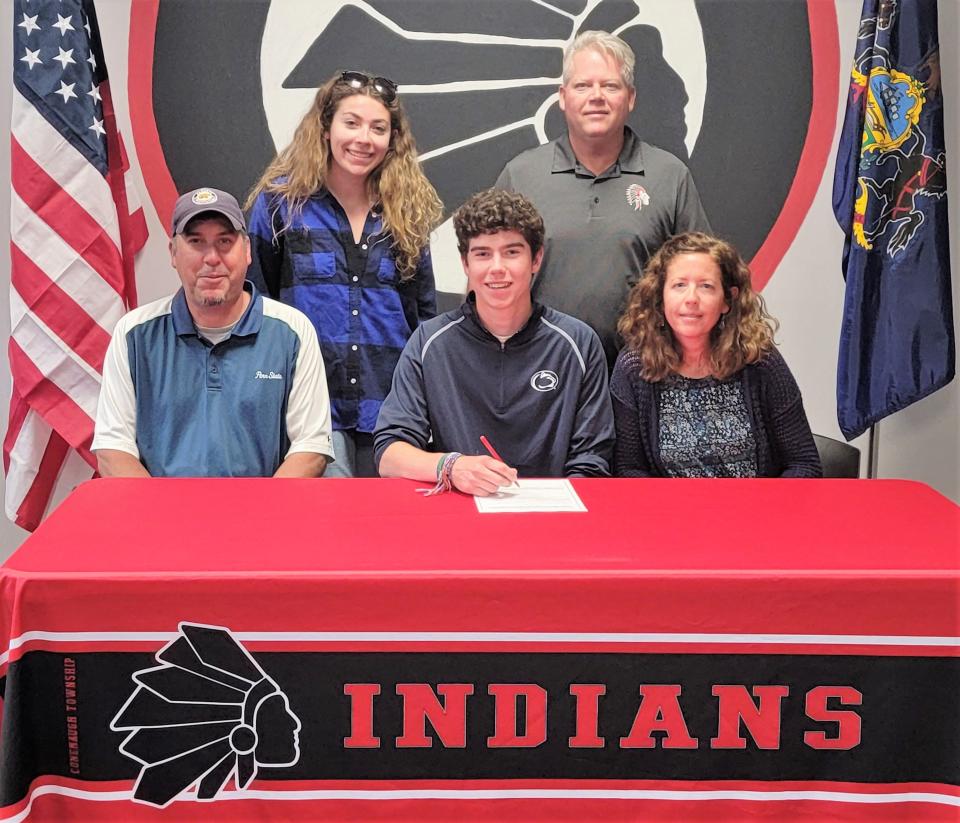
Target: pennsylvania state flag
[[890, 197]]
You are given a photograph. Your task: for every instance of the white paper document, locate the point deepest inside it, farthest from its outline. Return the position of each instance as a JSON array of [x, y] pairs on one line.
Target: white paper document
[[533, 496]]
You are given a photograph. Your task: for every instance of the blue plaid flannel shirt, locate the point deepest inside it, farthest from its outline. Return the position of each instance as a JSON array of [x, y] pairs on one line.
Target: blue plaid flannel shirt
[[350, 291]]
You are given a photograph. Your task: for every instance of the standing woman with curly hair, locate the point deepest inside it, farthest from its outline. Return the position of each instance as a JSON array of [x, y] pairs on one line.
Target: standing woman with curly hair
[[700, 389], [340, 226]]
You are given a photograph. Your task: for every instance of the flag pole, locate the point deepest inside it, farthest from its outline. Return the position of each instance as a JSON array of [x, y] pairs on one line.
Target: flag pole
[[873, 453]]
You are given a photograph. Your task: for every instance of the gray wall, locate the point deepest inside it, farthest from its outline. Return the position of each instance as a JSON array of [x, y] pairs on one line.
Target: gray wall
[[921, 442]]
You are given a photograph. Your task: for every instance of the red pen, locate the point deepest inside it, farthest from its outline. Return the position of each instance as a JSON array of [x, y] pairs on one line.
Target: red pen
[[493, 453]]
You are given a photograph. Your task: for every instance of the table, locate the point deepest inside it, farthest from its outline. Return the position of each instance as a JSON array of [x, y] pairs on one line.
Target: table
[[350, 650]]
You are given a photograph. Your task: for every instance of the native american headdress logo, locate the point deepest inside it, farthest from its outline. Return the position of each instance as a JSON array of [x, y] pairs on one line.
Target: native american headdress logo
[[637, 196], [207, 713]]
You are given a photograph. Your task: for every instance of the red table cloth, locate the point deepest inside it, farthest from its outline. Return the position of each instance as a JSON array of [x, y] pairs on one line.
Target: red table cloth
[[350, 650]]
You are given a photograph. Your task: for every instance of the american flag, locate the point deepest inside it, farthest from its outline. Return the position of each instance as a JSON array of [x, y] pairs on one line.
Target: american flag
[[75, 225]]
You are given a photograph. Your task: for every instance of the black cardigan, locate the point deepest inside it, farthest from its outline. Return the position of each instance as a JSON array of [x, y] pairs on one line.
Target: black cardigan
[[785, 446]]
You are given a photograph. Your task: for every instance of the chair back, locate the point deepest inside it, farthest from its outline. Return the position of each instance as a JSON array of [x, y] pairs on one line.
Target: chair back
[[838, 459]]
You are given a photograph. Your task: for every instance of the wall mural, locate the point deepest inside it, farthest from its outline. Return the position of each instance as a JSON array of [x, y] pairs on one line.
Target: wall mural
[[744, 91]]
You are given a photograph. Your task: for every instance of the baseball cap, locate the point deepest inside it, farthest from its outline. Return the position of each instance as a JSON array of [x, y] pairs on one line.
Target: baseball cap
[[205, 199]]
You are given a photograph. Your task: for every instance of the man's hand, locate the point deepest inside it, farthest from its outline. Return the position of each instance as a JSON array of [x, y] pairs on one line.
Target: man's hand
[[481, 476]]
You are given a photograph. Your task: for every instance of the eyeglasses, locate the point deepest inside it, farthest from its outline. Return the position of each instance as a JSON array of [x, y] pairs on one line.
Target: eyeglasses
[[383, 86]]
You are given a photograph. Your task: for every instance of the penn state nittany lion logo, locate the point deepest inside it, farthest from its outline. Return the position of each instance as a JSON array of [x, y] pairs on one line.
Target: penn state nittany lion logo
[[207, 713], [545, 380]]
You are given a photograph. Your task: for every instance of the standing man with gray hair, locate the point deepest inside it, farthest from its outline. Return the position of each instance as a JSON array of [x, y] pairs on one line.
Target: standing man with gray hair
[[608, 199]]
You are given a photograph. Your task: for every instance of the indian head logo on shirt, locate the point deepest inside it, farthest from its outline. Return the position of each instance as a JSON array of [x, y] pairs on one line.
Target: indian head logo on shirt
[[207, 713], [637, 196]]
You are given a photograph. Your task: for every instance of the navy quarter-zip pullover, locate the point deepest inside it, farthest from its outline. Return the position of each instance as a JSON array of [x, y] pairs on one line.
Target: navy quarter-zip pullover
[[541, 397]]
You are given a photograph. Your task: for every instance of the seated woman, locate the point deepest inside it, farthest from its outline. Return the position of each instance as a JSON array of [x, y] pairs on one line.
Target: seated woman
[[700, 389]]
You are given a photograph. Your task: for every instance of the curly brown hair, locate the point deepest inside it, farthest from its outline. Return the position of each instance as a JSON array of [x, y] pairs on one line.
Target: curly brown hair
[[411, 206], [493, 210], [744, 335]]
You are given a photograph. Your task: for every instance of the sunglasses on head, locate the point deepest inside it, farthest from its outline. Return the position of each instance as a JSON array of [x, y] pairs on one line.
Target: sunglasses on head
[[383, 86]]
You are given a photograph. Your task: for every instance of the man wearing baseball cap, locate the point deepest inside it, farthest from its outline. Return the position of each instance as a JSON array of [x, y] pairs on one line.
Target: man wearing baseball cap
[[216, 380]]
